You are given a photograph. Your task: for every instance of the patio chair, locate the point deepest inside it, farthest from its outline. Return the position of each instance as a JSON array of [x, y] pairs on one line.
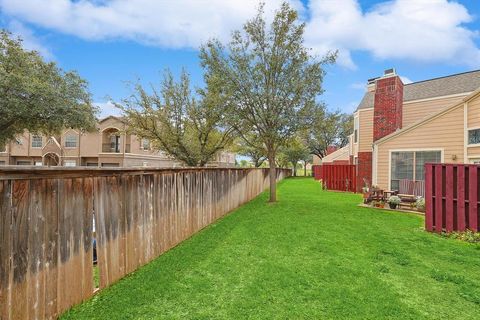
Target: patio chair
[[419, 188], [374, 194]]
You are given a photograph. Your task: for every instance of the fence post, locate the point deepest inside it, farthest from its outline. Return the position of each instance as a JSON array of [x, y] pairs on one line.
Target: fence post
[[461, 197]]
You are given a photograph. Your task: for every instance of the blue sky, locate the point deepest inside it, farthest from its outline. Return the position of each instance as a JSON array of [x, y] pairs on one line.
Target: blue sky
[[113, 42]]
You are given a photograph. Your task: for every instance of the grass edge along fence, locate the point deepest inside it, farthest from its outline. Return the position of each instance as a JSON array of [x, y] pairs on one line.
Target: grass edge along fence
[[452, 197], [46, 226]]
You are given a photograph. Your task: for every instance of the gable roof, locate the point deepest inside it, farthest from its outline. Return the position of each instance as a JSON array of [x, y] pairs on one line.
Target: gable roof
[[429, 118], [454, 84], [340, 153], [122, 119]]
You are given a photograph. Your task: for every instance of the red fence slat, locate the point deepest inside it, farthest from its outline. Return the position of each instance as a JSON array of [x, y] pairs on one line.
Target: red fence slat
[[340, 177], [460, 198], [451, 198], [472, 198], [429, 196], [438, 199]]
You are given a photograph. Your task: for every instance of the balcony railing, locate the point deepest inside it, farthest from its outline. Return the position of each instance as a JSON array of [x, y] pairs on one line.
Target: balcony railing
[[114, 148]]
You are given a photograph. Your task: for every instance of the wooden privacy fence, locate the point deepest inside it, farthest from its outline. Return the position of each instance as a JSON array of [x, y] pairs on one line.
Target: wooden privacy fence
[[46, 218], [317, 172], [340, 177], [451, 197]]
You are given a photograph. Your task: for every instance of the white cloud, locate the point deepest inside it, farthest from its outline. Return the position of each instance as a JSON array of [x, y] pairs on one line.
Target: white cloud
[[173, 24], [107, 109], [30, 41], [427, 31], [430, 31]]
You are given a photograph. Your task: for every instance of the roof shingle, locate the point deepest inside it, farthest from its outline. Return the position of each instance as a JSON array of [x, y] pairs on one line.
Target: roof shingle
[[444, 86]]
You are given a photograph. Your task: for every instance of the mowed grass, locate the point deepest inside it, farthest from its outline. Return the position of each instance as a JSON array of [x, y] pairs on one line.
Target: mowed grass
[[312, 255]]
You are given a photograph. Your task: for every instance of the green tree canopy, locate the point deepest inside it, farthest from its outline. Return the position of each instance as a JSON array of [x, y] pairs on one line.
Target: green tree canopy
[[294, 151], [327, 129], [38, 96], [188, 127], [270, 77], [255, 151], [244, 163]]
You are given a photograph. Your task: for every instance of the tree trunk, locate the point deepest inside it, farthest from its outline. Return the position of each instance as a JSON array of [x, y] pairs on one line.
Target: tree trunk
[[305, 168], [294, 169], [273, 177]]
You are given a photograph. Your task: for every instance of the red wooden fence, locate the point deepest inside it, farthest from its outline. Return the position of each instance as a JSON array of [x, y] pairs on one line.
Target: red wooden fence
[[340, 177], [317, 172], [451, 197]]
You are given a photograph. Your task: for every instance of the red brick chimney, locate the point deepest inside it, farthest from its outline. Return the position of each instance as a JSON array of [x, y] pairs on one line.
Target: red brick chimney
[[331, 149], [387, 108]]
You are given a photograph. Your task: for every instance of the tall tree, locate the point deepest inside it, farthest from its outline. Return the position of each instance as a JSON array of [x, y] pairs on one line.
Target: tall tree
[[270, 77], [346, 129], [327, 129], [295, 151], [307, 158], [187, 127], [38, 96]]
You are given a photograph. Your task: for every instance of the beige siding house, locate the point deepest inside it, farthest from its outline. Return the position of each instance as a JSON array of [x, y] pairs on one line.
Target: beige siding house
[[108, 146], [342, 155], [398, 128]]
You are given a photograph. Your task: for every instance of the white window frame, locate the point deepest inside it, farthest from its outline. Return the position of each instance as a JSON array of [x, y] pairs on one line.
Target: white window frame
[[69, 142], [34, 141], [442, 159], [467, 137], [142, 144], [474, 160]]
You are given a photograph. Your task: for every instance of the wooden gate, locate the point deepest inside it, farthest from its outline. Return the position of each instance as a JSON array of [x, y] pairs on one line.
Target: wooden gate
[[340, 177], [451, 197]]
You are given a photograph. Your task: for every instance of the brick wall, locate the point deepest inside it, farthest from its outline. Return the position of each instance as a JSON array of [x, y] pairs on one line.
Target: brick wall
[[331, 149], [387, 113], [364, 169]]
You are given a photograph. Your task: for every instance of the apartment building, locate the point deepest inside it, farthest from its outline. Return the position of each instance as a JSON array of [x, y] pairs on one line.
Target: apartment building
[[108, 146]]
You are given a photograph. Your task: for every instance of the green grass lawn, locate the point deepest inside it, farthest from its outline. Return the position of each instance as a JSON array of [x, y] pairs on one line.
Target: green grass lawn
[[312, 255]]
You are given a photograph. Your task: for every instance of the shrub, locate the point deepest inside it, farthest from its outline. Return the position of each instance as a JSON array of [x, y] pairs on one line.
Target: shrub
[[467, 236], [420, 204], [394, 200]]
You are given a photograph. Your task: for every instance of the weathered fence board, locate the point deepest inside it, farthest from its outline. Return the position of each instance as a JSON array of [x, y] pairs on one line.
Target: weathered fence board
[[46, 226], [451, 195]]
